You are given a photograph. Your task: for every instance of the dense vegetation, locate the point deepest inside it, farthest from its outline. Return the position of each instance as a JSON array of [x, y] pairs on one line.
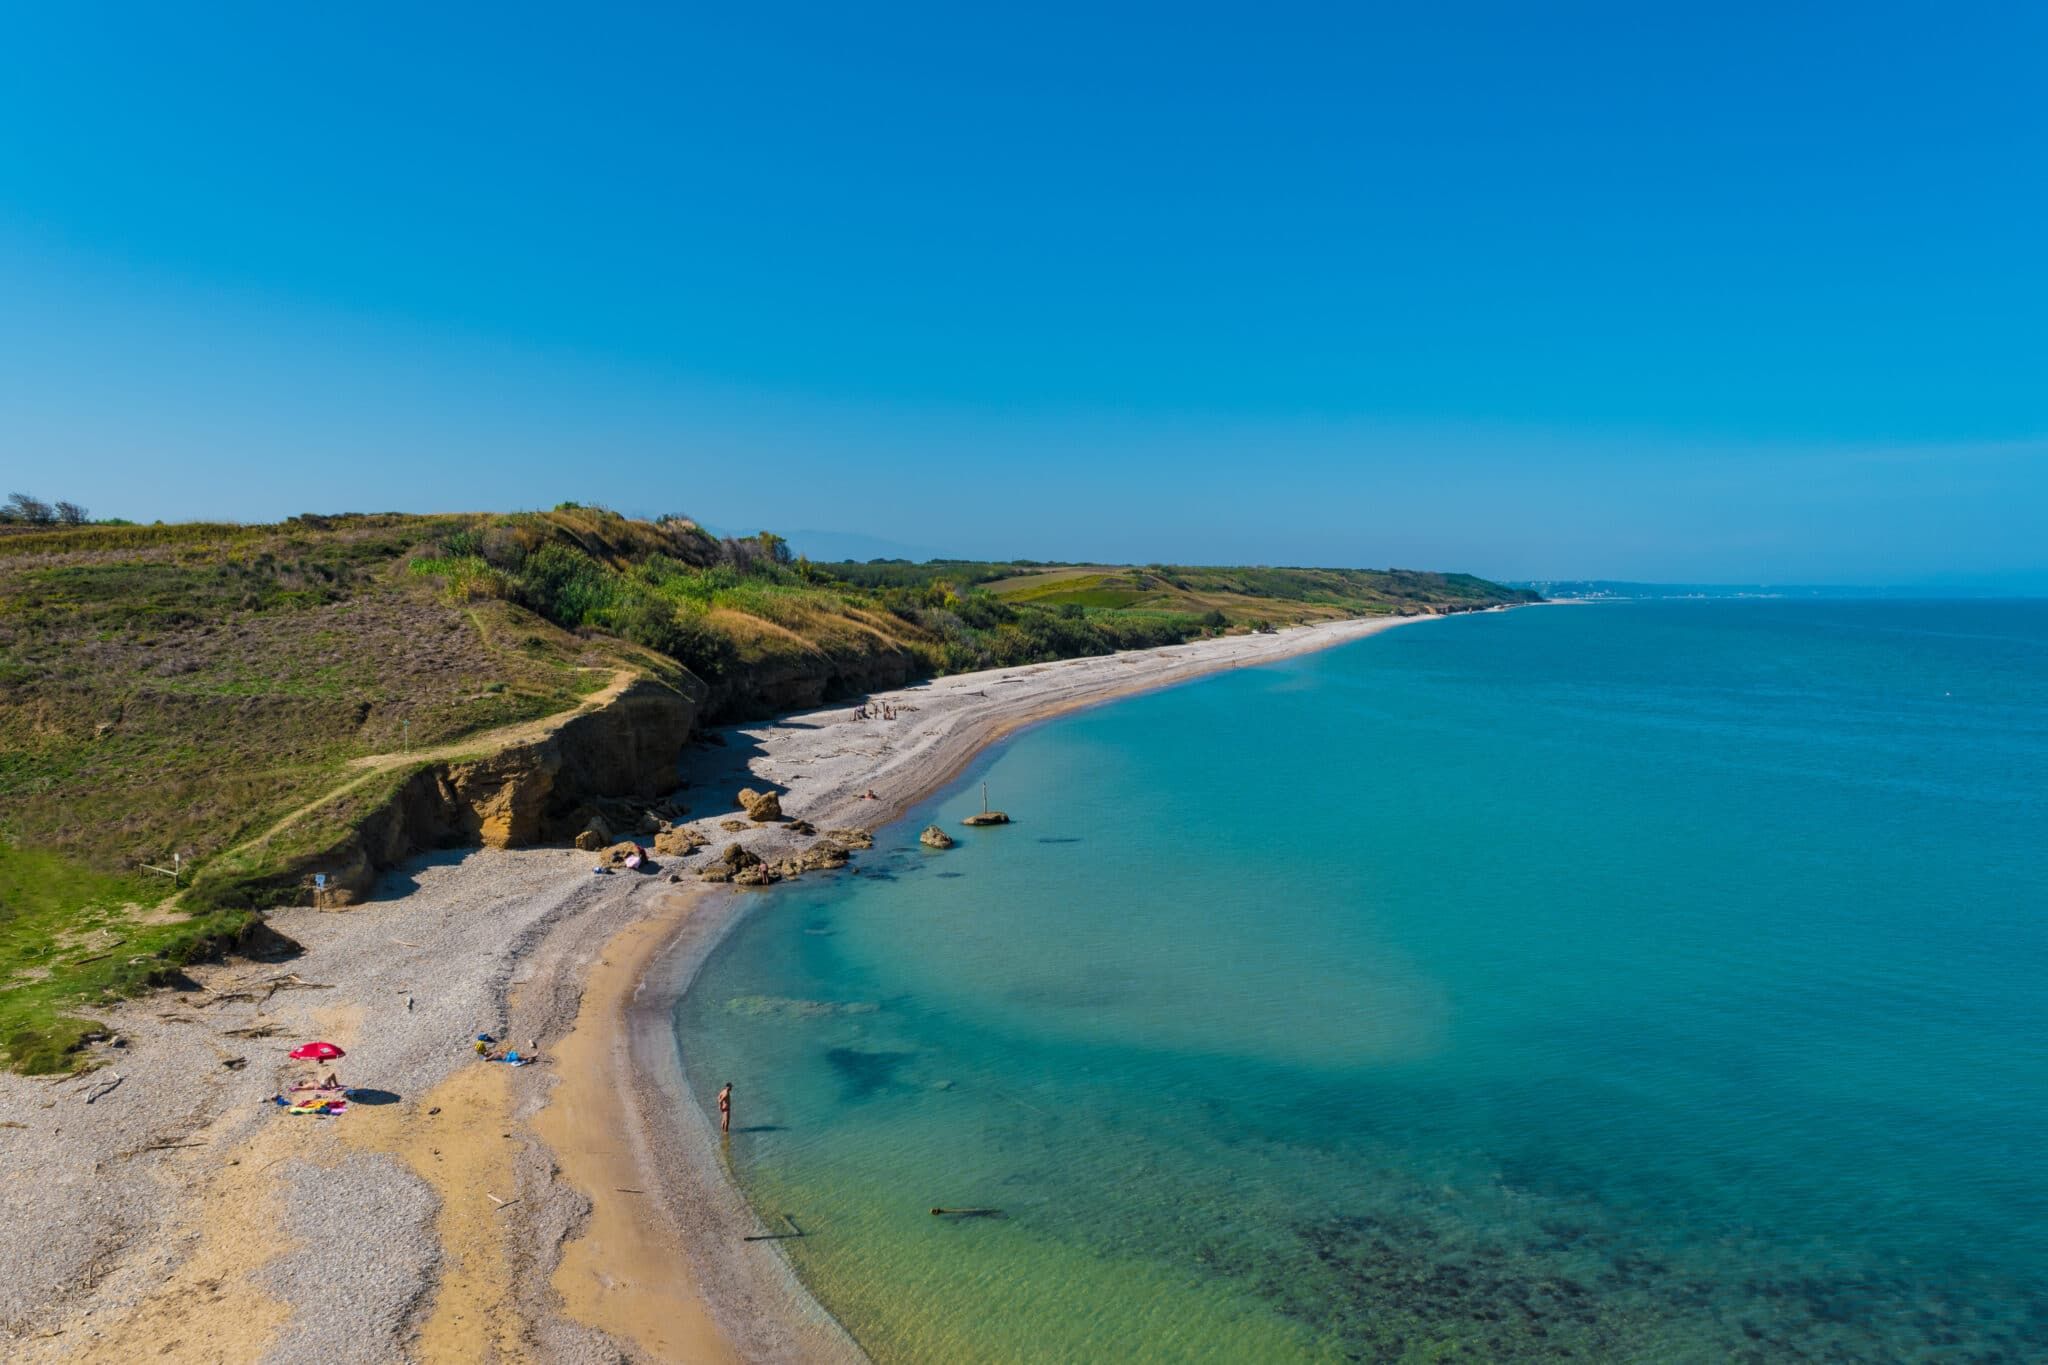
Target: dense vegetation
[[170, 695], [716, 606]]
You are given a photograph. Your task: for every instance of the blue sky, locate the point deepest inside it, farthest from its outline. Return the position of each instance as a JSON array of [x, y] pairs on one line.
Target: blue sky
[[1713, 293]]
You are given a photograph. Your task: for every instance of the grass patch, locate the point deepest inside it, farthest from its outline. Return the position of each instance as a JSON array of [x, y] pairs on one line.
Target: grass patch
[[266, 871], [1098, 597], [71, 941]]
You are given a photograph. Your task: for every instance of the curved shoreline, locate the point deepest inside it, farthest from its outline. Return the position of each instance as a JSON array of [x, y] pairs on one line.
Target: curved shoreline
[[573, 1212], [669, 1190]]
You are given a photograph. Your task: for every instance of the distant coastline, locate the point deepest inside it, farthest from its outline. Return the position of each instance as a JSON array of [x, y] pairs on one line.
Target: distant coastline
[[1620, 590]]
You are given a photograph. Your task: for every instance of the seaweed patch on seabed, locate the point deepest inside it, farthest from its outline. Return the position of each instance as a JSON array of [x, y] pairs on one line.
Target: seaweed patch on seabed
[[1386, 1287], [865, 1073], [761, 1005]]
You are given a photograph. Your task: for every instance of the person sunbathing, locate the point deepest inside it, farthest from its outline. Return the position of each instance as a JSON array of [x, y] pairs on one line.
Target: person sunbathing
[[309, 1094]]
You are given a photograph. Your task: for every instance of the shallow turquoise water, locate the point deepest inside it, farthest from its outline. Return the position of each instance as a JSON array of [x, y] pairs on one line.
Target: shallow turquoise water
[[1656, 982]]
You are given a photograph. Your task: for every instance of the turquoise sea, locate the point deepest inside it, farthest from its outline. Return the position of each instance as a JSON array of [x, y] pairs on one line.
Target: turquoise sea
[[1636, 982]]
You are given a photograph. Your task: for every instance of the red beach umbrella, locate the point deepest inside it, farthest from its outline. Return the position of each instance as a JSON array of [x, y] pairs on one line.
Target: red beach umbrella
[[316, 1052]]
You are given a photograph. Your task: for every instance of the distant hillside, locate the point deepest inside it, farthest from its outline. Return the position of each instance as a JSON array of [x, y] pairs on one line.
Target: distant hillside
[[1272, 596], [1616, 590], [824, 546], [248, 705]]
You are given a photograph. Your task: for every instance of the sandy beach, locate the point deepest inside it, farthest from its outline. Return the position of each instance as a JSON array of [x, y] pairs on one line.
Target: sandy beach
[[574, 1210]]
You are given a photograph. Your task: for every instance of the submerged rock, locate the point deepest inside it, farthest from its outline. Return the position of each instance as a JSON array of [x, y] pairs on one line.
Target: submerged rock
[[822, 856], [934, 837], [819, 857]]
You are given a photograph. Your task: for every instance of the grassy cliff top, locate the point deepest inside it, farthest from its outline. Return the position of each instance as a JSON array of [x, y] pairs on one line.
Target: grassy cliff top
[[171, 695], [1244, 595]]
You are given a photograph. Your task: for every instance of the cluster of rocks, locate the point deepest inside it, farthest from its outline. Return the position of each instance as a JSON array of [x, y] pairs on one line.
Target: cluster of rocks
[[743, 867], [734, 864], [601, 830], [823, 856]]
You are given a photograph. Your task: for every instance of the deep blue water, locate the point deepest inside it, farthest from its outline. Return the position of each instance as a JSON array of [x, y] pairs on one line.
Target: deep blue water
[[1657, 981]]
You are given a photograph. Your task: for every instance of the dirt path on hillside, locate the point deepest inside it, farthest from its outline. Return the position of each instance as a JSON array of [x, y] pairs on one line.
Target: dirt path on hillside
[[489, 741], [505, 736]]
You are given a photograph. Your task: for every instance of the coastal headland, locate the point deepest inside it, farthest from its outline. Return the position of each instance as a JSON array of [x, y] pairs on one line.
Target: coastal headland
[[573, 1210]]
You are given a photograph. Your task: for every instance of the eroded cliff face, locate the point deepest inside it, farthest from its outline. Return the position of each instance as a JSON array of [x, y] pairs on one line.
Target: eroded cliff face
[[803, 681], [520, 795], [629, 748]]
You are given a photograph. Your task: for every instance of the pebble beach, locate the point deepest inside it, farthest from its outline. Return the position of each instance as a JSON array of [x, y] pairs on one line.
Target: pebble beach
[[159, 1204]]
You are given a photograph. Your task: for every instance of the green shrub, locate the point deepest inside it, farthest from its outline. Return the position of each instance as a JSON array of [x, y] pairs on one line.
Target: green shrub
[[690, 640], [566, 585]]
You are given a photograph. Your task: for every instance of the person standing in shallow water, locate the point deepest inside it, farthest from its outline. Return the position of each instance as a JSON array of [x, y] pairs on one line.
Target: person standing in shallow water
[[725, 1109]]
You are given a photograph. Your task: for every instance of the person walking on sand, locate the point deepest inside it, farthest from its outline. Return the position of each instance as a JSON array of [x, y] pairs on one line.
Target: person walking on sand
[[725, 1109]]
